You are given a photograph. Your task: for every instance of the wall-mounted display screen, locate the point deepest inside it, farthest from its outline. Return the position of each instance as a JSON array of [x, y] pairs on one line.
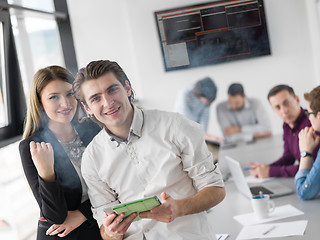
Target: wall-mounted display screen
[[211, 33]]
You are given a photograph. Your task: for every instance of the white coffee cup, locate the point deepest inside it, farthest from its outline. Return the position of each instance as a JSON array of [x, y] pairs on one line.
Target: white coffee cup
[[262, 205]]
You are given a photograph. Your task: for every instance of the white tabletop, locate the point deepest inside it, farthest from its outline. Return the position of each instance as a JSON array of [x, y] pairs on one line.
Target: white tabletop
[[264, 150]]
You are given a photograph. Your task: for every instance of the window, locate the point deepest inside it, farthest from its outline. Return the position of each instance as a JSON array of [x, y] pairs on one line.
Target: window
[[33, 35], [42, 5], [37, 42], [3, 86]]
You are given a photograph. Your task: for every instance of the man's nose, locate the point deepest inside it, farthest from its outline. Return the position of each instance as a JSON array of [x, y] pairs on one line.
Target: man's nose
[[284, 110], [107, 101]]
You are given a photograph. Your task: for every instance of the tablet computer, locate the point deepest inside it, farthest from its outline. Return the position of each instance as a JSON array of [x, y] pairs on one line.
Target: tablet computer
[[138, 206]]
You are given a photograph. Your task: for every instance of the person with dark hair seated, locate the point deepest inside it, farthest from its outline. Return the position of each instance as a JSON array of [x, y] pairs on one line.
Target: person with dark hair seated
[[286, 104], [242, 118]]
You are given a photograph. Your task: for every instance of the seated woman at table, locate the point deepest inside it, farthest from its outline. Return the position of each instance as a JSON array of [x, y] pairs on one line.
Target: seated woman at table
[[308, 177]]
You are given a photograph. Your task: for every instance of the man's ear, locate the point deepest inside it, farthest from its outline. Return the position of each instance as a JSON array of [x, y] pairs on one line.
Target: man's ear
[[127, 88], [86, 108], [298, 99]]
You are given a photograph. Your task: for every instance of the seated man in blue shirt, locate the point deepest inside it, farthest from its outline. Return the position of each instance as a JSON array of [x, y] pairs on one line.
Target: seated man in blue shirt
[[194, 102], [308, 177], [242, 118]]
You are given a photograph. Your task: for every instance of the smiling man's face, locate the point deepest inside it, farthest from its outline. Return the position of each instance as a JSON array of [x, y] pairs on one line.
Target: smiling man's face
[[107, 99]]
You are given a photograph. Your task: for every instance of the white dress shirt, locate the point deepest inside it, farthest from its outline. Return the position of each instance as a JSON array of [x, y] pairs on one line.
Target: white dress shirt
[[165, 152]]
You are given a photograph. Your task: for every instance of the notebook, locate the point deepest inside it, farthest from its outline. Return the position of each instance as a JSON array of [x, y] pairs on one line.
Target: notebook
[[272, 187]]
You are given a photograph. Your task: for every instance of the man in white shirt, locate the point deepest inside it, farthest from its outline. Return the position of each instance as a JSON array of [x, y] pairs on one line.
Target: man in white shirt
[[141, 153], [242, 118]]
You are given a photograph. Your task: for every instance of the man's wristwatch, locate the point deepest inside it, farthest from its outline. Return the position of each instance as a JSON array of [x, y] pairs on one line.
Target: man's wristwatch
[[304, 154]]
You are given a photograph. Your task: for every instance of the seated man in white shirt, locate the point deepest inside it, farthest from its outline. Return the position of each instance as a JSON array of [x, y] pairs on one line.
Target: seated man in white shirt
[[141, 153], [242, 118]]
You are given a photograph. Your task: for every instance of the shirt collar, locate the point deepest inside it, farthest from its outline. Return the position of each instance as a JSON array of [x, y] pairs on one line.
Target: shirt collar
[[299, 119], [137, 122], [135, 129]]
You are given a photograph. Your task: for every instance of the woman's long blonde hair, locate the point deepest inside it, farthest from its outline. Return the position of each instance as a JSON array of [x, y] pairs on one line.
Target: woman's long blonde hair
[[35, 113]]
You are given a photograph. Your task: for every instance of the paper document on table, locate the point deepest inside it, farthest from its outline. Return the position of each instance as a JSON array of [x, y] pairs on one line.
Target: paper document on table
[[252, 179], [273, 230], [222, 236], [278, 213]]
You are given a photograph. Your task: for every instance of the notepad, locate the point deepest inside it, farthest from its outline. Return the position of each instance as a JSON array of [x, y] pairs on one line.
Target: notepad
[[283, 229]]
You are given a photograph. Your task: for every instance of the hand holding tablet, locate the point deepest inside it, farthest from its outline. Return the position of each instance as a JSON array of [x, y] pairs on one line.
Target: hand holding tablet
[[138, 206]]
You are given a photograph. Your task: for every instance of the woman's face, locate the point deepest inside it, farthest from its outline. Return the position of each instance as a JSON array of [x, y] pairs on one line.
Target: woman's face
[[58, 102]]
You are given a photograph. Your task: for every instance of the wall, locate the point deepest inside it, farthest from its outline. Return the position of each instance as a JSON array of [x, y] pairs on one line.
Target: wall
[[101, 31], [126, 31]]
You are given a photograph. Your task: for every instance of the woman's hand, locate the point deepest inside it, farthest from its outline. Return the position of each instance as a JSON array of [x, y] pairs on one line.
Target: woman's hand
[[74, 219], [115, 226], [42, 156], [308, 139]]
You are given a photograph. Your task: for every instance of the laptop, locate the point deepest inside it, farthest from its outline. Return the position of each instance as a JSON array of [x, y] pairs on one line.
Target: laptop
[[272, 187], [224, 145]]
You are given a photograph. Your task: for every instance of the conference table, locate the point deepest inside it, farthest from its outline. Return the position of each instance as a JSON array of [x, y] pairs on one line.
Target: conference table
[[265, 150]]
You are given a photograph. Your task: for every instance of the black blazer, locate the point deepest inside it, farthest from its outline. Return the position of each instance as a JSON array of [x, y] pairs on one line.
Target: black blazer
[[56, 198]]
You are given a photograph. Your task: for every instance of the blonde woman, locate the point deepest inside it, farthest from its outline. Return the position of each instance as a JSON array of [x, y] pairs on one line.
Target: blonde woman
[[51, 155]]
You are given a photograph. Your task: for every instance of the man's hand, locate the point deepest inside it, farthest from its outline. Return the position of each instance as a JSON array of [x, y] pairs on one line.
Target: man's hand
[[115, 226], [228, 131], [214, 138], [262, 135], [74, 219], [259, 170], [166, 212], [42, 156]]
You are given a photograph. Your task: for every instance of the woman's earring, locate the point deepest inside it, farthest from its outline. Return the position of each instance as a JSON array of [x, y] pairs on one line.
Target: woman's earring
[[90, 115]]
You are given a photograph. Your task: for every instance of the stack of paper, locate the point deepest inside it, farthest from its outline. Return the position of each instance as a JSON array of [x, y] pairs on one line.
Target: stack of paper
[[253, 227], [273, 230]]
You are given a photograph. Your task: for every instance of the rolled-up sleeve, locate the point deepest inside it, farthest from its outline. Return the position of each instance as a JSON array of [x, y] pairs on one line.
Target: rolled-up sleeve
[[307, 181], [196, 159]]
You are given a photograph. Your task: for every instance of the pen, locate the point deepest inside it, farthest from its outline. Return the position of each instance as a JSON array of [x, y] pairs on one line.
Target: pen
[[269, 230], [223, 235]]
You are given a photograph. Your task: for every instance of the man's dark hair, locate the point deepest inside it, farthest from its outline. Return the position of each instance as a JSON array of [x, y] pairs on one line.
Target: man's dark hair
[[275, 90], [96, 69], [236, 89]]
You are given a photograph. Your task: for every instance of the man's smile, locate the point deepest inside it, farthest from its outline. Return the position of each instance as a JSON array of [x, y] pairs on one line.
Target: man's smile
[[113, 111]]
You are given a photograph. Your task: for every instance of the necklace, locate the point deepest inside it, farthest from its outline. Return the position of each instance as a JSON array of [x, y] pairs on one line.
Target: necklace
[[74, 149]]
